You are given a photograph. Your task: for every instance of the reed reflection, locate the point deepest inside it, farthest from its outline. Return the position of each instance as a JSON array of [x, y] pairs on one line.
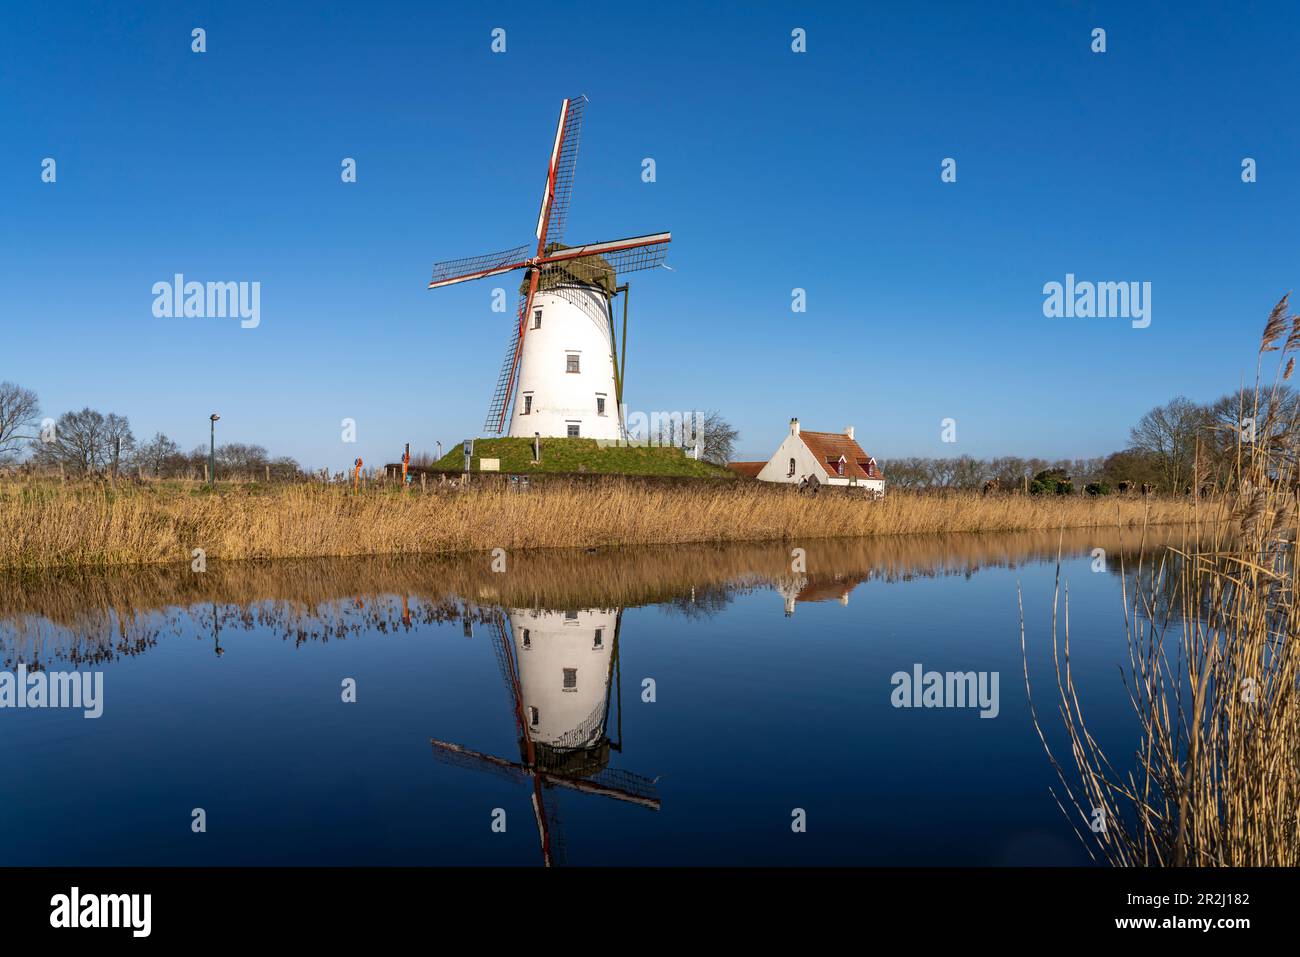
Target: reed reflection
[[93, 617]]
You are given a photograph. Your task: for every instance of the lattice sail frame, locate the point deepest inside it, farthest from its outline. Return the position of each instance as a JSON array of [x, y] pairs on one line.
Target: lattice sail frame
[[560, 185], [477, 267]]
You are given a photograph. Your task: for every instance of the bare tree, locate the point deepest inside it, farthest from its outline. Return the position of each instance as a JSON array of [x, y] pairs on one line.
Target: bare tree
[[121, 443], [85, 441], [159, 456], [19, 412], [1169, 434], [1246, 423], [240, 459], [717, 437], [284, 468]]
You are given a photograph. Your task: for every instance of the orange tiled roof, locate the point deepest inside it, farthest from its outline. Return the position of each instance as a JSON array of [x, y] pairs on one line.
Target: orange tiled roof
[[747, 469], [827, 447]]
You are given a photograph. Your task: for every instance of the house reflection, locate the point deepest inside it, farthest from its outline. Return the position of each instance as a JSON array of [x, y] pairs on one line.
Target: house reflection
[[804, 589]]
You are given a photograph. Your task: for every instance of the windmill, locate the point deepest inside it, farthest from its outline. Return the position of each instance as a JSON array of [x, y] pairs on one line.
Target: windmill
[[561, 714], [567, 373]]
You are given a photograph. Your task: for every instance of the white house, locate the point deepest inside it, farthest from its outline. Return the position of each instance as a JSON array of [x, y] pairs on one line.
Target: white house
[[828, 458]]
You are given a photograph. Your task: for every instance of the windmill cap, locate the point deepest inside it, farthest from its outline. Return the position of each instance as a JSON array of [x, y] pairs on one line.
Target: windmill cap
[[590, 270]]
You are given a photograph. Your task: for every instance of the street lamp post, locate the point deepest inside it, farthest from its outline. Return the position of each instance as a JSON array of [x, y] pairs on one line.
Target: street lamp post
[[212, 450]]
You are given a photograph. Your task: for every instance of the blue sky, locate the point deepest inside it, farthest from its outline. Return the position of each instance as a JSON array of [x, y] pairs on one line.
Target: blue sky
[[775, 170]]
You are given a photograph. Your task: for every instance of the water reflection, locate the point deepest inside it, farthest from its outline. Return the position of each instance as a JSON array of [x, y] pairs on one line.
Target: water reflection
[[555, 624], [561, 674], [92, 617]]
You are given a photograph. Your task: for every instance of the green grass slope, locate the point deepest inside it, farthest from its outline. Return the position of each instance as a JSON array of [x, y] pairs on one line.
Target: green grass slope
[[582, 455]]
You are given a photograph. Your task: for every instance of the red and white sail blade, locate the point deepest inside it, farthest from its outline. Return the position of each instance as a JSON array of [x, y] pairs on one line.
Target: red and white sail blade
[[477, 267], [554, 214], [622, 255]]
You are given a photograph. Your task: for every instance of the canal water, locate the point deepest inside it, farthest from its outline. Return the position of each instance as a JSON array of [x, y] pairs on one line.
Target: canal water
[[688, 705]]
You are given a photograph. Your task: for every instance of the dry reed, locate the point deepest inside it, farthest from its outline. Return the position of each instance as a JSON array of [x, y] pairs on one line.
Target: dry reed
[[45, 525], [1212, 676]]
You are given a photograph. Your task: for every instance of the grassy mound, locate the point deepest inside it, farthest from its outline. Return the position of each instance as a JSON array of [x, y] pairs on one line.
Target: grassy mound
[[581, 455]]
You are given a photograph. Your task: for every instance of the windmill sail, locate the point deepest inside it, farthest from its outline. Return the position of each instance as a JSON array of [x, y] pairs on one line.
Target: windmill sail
[[505, 383], [505, 387], [600, 264], [554, 216], [477, 267]]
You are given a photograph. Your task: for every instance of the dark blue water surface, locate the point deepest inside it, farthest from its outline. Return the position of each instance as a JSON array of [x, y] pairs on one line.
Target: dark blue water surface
[[756, 713]]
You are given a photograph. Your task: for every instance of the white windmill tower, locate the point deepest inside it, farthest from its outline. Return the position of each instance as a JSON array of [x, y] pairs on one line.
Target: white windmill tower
[[562, 374]]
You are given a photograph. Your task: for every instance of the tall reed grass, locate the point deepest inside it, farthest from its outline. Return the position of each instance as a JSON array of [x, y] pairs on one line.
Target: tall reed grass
[[47, 524], [1213, 673]]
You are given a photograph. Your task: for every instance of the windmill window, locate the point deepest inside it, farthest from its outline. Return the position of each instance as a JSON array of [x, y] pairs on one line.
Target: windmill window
[[792, 466], [571, 363], [533, 716], [528, 641], [573, 430], [537, 318], [528, 403], [570, 679], [600, 639], [600, 405]]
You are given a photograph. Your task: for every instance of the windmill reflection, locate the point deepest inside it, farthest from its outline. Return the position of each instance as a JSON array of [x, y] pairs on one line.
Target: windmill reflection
[[562, 676]]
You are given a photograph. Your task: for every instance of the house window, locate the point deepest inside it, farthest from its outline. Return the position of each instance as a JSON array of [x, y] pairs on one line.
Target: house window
[[573, 430], [537, 318], [571, 363], [528, 403], [791, 472], [533, 716], [570, 616], [869, 467], [570, 679], [839, 467], [528, 641], [600, 405], [600, 639]]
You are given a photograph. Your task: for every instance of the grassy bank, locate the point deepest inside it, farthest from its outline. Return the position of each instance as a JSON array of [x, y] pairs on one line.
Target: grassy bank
[[48, 524], [567, 456]]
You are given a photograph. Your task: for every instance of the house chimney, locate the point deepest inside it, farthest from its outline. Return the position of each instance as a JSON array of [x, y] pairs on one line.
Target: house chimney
[[849, 432], [794, 426]]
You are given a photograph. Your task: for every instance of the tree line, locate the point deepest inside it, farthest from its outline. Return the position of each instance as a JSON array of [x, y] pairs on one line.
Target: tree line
[[89, 442], [1174, 448]]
